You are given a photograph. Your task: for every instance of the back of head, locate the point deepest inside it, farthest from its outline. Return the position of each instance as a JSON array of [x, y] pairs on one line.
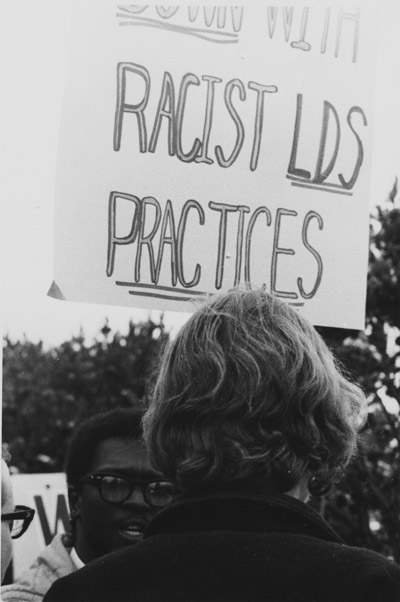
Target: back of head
[[249, 395], [124, 423]]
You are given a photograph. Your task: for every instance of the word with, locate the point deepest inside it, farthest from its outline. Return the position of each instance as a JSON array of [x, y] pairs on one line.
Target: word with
[[164, 226], [222, 23], [301, 43], [62, 516], [174, 113], [320, 175]]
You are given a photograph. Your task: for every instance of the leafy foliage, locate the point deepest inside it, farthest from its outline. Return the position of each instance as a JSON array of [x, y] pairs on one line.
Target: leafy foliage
[[47, 392], [365, 508]]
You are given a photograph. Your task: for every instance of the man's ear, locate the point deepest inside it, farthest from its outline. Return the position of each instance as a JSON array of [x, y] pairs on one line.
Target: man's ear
[[74, 500]]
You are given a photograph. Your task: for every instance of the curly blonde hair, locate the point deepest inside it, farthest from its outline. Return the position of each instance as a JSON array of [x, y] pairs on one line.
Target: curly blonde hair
[[248, 394]]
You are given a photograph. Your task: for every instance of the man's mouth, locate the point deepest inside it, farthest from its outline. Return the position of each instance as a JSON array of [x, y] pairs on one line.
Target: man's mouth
[[132, 532]]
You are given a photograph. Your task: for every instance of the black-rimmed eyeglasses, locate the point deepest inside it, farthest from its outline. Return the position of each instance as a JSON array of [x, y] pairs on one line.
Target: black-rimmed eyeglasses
[[115, 489], [19, 519]]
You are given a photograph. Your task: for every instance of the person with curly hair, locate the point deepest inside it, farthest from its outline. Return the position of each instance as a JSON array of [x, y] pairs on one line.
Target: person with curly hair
[[249, 416]]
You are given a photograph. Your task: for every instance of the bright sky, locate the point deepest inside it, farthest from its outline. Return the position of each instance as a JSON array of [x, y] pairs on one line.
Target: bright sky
[[33, 53]]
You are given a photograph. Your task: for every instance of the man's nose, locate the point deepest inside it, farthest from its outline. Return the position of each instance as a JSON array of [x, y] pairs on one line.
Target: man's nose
[[136, 497]]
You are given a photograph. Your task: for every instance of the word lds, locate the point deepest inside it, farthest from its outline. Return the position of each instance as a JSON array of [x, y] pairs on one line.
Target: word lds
[[324, 168], [144, 231]]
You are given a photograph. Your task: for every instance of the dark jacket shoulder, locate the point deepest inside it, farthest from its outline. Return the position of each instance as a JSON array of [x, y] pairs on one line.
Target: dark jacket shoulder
[[235, 548]]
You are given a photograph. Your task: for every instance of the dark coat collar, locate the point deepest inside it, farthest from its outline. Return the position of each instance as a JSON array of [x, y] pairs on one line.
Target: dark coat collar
[[230, 511]]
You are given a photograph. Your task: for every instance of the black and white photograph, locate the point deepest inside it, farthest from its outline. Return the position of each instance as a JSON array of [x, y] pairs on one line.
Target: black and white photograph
[[200, 301]]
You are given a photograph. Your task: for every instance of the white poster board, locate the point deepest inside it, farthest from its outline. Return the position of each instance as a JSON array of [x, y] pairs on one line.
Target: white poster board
[[47, 494], [203, 147]]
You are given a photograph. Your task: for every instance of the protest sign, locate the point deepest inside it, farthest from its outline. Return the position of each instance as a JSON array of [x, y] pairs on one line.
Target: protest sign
[[47, 494], [203, 147]]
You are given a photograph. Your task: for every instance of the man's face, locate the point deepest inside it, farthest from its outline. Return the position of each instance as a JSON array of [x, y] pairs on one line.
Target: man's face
[[7, 505], [102, 527]]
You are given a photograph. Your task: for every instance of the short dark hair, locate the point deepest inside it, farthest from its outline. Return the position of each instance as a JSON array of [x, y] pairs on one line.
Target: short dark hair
[[248, 393], [88, 434]]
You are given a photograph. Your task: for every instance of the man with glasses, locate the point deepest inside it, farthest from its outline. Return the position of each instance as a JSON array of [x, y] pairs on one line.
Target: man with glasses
[[15, 520], [113, 493]]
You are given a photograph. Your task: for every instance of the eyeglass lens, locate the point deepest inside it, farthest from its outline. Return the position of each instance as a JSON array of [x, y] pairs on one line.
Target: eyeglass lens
[[17, 526], [18, 520]]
